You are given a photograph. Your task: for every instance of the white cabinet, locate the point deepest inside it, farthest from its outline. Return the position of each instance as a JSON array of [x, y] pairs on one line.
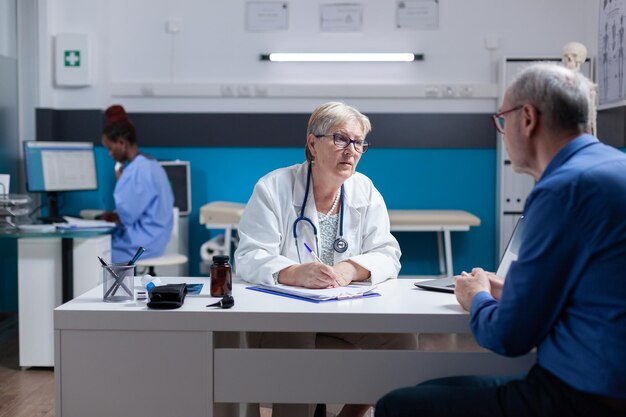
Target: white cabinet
[[39, 289]]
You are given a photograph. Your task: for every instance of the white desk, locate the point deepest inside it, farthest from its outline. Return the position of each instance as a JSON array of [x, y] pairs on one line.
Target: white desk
[[52, 268], [226, 216], [121, 359]]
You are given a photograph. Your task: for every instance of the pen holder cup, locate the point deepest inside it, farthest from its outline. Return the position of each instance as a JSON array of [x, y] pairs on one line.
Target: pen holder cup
[[118, 282]]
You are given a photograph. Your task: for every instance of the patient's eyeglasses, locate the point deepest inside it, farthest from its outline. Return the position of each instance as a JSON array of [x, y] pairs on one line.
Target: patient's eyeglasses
[[498, 118], [342, 141]]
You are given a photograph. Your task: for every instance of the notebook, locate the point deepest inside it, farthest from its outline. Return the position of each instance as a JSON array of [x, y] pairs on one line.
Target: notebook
[[510, 254]]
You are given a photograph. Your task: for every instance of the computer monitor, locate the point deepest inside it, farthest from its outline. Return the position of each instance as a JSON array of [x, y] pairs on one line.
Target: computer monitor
[[59, 166], [178, 173]]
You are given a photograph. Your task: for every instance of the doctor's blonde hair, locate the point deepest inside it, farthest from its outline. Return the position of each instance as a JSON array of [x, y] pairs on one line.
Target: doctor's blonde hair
[[332, 114]]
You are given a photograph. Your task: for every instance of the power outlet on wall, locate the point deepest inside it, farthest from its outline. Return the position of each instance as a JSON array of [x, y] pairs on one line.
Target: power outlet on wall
[[492, 43], [432, 91], [449, 91], [261, 91], [174, 25], [244, 90], [227, 90], [466, 91]]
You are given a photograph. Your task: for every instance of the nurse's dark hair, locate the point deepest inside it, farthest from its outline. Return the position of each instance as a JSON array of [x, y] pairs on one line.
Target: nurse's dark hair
[[562, 96], [331, 115], [118, 125]]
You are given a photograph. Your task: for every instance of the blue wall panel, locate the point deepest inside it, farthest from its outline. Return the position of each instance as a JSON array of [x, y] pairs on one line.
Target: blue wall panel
[[461, 179]]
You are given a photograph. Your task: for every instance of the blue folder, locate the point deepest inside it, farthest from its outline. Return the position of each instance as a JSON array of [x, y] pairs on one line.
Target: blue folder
[[311, 300]]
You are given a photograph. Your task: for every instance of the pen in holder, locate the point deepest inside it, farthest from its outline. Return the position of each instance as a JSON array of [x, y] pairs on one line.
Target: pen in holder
[[118, 282]]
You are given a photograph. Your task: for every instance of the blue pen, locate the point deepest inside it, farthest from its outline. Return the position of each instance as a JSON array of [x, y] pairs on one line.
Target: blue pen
[[139, 252], [317, 258]]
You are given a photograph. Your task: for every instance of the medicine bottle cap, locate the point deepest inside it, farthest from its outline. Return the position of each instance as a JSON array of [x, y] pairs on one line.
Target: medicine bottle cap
[[221, 258]]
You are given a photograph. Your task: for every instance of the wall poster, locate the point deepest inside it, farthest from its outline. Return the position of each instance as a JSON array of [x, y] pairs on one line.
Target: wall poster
[[611, 87]]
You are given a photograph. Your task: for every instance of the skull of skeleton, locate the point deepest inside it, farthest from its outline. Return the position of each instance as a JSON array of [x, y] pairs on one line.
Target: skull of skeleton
[[573, 55]]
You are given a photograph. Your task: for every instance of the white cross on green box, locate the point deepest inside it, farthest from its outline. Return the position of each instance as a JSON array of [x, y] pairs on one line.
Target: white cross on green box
[[71, 58]]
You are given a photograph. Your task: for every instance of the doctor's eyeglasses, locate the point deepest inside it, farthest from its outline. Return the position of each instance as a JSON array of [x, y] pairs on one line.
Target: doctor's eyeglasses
[[342, 141], [498, 118]]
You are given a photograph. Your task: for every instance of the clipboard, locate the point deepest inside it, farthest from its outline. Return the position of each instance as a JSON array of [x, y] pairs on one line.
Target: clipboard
[[311, 298]]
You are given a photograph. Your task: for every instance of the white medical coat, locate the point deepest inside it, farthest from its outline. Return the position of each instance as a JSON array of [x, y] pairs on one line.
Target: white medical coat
[[266, 241]]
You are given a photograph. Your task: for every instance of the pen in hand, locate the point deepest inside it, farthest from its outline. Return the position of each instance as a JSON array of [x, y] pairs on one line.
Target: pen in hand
[[317, 258]]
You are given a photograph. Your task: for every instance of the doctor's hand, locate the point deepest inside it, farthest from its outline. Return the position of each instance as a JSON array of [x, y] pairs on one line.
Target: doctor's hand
[[348, 271], [309, 275], [468, 285]]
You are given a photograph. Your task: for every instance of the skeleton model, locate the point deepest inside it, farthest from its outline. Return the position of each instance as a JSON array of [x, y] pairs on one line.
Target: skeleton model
[[573, 55]]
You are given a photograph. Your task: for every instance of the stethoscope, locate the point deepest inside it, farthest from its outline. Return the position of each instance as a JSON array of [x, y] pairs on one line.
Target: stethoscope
[[340, 245]]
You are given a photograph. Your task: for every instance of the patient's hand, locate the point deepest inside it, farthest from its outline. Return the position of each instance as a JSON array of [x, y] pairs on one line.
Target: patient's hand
[[496, 283], [468, 285]]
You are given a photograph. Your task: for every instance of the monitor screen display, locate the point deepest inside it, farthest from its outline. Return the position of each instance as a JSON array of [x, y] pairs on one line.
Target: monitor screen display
[[59, 166], [178, 174]]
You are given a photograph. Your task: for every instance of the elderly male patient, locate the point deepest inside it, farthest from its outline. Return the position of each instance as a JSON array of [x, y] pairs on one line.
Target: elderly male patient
[[566, 294]]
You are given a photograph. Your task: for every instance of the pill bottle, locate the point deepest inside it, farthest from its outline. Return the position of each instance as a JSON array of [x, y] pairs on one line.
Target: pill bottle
[[221, 276]]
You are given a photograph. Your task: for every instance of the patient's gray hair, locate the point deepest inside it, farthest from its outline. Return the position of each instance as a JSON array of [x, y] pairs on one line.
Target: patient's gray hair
[[561, 95], [331, 115]]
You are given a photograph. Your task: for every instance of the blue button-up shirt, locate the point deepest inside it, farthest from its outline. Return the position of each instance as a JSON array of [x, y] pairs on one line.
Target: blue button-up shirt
[[566, 294]]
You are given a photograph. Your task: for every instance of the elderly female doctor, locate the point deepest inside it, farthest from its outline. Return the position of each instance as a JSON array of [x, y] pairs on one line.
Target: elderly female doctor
[[325, 204], [337, 213]]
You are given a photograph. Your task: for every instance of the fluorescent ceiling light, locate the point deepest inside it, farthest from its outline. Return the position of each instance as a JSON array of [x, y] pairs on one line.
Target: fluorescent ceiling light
[[342, 57]]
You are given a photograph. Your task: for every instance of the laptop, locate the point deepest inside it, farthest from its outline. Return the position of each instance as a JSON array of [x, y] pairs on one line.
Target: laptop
[[446, 284]]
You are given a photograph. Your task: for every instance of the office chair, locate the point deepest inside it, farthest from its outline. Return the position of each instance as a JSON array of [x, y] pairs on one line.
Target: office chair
[[171, 257], [167, 259]]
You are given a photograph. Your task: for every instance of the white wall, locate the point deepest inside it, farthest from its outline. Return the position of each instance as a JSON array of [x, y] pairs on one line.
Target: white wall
[[8, 28], [131, 52]]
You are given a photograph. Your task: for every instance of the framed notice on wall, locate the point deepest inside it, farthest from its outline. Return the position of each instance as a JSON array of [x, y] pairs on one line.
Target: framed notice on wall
[[341, 17], [267, 16], [611, 43], [417, 14]]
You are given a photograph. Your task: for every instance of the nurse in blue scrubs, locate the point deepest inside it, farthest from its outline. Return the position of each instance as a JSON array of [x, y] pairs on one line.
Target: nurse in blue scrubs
[[143, 195]]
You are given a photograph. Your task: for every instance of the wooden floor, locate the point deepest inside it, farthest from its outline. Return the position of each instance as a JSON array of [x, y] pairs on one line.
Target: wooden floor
[[23, 393]]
